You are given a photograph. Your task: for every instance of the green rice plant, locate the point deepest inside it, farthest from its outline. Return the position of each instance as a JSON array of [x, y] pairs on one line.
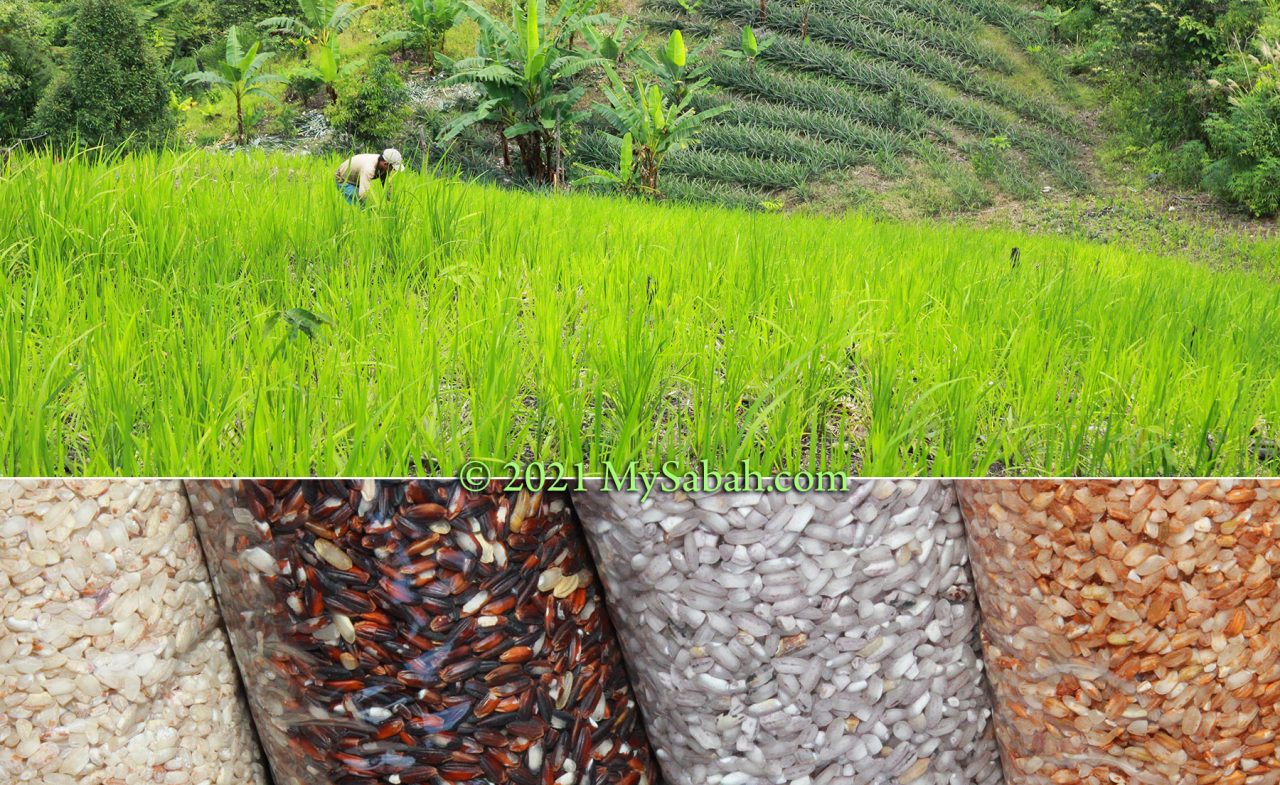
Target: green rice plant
[[141, 333]]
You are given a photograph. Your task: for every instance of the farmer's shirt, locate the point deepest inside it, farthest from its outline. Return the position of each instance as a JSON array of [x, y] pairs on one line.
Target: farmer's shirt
[[360, 171]]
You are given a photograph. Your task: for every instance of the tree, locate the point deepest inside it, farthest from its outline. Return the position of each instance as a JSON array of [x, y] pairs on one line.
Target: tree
[[805, 6], [373, 106], [624, 179], [526, 70], [241, 74], [25, 66], [112, 92], [320, 21]]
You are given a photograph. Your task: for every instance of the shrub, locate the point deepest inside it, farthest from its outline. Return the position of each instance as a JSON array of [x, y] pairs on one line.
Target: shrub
[[1184, 165], [1246, 141], [373, 104], [25, 67], [112, 91]]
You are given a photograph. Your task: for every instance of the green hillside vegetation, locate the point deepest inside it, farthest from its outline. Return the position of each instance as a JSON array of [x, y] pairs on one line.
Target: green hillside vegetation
[[460, 320], [966, 114], [912, 107]]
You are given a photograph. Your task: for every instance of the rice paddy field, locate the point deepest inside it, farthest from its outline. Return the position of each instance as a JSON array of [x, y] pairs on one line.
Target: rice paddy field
[[195, 314]]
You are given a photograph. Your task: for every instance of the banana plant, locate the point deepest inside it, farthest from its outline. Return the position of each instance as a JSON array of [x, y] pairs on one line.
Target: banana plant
[[326, 63], [527, 71], [430, 21], [624, 179], [240, 73], [750, 48], [679, 71], [320, 20], [657, 126], [614, 45]]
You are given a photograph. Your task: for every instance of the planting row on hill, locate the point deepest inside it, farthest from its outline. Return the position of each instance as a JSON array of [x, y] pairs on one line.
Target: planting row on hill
[[877, 81]]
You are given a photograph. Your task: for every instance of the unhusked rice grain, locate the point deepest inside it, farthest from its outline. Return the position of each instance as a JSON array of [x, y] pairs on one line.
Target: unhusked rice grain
[[807, 639], [114, 667], [1132, 628], [406, 633]]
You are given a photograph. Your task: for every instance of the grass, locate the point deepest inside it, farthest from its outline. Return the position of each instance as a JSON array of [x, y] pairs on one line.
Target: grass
[[156, 312]]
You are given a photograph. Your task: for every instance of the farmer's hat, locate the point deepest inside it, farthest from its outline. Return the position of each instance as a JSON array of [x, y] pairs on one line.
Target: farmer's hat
[[392, 156]]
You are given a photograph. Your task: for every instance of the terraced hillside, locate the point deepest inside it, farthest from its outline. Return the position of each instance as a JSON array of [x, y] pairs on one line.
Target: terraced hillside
[[952, 105]]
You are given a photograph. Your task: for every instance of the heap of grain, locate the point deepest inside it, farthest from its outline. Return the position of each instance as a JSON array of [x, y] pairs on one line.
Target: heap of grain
[[1132, 628], [810, 639], [412, 632], [114, 667]]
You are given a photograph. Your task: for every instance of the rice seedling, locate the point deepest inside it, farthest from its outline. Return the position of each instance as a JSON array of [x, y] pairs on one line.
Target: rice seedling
[[143, 331]]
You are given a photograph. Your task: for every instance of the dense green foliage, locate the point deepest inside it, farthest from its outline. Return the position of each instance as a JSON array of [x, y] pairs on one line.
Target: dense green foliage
[[112, 92], [1247, 135], [1203, 112], [429, 21], [318, 20], [372, 104], [465, 321], [527, 69], [25, 65]]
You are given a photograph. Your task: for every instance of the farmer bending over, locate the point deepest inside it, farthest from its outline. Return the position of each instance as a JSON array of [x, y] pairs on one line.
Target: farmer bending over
[[358, 172]]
